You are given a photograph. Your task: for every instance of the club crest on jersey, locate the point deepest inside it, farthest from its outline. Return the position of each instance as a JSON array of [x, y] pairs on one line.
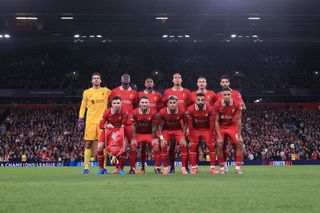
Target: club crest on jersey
[[114, 135], [120, 118], [178, 118], [131, 95], [207, 115], [149, 119], [233, 111]]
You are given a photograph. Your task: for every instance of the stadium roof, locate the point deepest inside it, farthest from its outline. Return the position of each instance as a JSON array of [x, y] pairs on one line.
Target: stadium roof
[[162, 21]]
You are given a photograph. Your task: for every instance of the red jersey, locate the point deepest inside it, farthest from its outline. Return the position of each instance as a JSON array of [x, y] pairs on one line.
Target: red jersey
[[183, 96], [172, 121], [144, 122], [155, 98], [227, 113], [115, 119], [235, 95], [200, 119], [211, 97], [128, 97]]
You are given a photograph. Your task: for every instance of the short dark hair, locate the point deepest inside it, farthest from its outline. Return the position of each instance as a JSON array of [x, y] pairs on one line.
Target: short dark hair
[[96, 73], [200, 95], [225, 77], [201, 77], [172, 97], [143, 97], [226, 89], [149, 78], [116, 98]]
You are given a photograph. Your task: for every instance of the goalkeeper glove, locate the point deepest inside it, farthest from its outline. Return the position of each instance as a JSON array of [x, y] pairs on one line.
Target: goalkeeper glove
[[81, 124]]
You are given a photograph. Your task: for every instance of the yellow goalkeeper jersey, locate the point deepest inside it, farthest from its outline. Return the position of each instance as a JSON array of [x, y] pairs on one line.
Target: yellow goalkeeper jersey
[[95, 101]]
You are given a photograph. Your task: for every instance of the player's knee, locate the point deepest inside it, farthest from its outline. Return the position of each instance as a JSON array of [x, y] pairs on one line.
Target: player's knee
[[88, 144], [155, 147], [100, 146], [133, 147], [219, 146]]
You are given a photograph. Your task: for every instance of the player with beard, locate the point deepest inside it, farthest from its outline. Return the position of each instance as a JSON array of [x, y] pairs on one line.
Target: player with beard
[[94, 102], [200, 118], [210, 96], [228, 124], [144, 129], [183, 96], [129, 98], [154, 97], [236, 96], [172, 127]]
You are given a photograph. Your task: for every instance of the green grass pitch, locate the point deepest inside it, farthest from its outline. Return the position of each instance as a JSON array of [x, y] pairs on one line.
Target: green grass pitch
[[259, 189]]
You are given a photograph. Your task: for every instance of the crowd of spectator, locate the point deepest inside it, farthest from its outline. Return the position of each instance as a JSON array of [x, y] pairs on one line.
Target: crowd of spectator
[[51, 134], [60, 67]]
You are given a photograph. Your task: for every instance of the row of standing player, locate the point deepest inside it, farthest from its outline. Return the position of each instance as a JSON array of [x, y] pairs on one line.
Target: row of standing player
[[94, 102]]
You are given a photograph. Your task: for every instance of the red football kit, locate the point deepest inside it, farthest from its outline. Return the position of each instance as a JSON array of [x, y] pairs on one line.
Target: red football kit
[[201, 125], [210, 97], [155, 98], [144, 123], [129, 98], [236, 96], [228, 119], [172, 127], [117, 120], [183, 96]]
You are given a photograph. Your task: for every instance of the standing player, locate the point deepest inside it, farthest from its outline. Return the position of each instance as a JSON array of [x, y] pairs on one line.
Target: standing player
[[183, 96], [210, 95], [129, 98], [155, 97], [144, 128], [200, 118], [94, 102], [236, 96], [172, 125], [112, 119], [228, 123]]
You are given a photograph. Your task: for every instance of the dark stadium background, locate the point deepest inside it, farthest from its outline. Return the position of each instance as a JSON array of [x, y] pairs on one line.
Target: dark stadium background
[[270, 49]]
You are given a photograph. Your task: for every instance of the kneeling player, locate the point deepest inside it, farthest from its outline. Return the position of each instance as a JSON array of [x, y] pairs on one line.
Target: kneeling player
[[144, 127], [113, 136], [200, 118], [172, 125], [228, 123]]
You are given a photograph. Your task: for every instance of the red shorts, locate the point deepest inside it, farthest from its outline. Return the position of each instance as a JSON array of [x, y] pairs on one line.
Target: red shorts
[[198, 134], [231, 132], [144, 138], [176, 134], [128, 131]]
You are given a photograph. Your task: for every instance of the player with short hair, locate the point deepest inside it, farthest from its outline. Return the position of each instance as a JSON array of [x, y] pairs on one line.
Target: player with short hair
[[200, 118], [129, 98], [172, 125], [144, 129], [228, 123], [114, 118], [210, 96], [155, 98], [236, 96], [94, 102], [183, 96]]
